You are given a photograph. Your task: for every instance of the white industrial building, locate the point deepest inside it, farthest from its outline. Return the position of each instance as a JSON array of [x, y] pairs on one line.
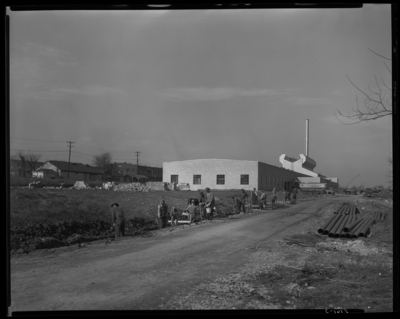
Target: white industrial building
[[228, 174], [238, 174]]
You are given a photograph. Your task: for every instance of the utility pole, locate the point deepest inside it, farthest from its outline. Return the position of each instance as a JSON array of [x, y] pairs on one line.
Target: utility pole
[[69, 157], [137, 162]]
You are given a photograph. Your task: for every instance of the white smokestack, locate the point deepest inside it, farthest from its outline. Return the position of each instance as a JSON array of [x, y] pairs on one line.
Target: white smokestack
[[307, 133]]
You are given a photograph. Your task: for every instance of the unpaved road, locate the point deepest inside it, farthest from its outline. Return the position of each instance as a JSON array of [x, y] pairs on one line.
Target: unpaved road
[[143, 273]]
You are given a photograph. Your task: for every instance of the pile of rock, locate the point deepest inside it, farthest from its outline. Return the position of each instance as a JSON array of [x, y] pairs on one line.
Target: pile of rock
[[158, 186], [34, 184], [80, 185], [108, 185], [132, 187]]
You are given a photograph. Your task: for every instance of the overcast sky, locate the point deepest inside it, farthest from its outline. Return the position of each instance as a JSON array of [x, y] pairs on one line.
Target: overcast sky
[[180, 85]]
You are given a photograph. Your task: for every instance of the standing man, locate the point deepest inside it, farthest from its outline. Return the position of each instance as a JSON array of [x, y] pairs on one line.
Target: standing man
[[192, 209], [263, 200], [210, 203], [273, 200], [202, 203], [243, 197], [118, 220], [237, 204], [162, 214], [174, 216], [254, 197], [295, 191]]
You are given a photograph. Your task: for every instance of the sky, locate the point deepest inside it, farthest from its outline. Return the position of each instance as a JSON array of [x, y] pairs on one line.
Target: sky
[[189, 84]]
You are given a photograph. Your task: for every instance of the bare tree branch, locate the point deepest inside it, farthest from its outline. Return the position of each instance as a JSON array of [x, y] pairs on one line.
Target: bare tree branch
[[380, 55], [375, 105]]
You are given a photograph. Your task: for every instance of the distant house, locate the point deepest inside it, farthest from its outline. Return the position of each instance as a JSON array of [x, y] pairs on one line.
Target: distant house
[[77, 171], [16, 169], [134, 172]]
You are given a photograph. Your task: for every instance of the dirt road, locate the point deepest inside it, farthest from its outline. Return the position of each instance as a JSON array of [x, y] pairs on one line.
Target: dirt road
[[143, 273]]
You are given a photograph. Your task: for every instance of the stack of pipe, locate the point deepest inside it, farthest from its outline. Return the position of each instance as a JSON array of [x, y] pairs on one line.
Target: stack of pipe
[[380, 216], [346, 224]]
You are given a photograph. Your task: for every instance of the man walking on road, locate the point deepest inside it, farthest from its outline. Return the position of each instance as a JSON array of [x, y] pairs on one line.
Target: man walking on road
[[210, 203], [162, 214], [118, 220]]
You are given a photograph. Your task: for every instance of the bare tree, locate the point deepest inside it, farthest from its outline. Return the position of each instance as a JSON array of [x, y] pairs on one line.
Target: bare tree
[[376, 104], [22, 164], [32, 159], [104, 161]]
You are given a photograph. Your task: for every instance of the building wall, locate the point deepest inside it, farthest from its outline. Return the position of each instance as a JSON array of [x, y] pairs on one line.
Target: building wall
[[209, 169], [271, 176], [81, 176]]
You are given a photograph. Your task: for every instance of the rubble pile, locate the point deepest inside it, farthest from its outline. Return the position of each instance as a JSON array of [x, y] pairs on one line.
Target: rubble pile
[[132, 187], [158, 186], [79, 185], [34, 184]]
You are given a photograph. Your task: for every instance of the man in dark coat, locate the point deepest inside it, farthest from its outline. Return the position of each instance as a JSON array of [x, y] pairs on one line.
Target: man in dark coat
[[118, 220], [162, 214], [202, 203], [244, 196], [254, 197], [237, 203], [210, 203]]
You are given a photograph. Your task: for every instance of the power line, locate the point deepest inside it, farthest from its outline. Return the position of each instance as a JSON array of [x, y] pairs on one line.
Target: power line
[[12, 149], [27, 139]]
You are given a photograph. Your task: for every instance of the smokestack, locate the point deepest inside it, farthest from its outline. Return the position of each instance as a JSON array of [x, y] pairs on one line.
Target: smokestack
[[307, 133]]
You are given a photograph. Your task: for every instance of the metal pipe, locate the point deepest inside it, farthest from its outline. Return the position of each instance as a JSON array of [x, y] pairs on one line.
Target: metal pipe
[[321, 229], [354, 233], [343, 208], [336, 226], [365, 228], [352, 225], [331, 224], [349, 221], [340, 228], [353, 209]]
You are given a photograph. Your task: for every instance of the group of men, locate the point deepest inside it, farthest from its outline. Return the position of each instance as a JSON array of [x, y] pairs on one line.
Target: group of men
[[196, 209], [199, 208], [241, 201]]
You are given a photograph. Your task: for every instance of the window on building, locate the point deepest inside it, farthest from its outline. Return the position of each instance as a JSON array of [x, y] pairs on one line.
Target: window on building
[[196, 179], [244, 179], [127, 170], [273, 181], [174, 179], [266, 180], [220, 179]]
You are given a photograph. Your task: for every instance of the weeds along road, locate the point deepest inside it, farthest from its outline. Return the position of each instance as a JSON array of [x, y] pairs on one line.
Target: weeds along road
[[143, 273]]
